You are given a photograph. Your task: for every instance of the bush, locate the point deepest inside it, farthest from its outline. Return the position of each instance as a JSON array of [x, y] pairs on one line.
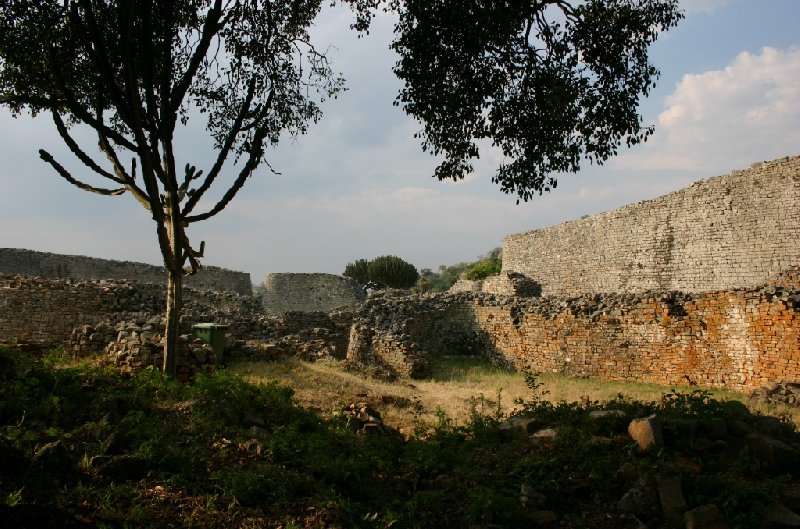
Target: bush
[[387, 270], [392, 271], [484, 269], [358, 271]]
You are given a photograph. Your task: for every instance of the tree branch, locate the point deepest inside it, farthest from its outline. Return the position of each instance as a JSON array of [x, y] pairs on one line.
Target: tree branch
[[210, 28], [47, 157], [128, 180], [79, 153], [226, 147], [256, 152], [95, 45]]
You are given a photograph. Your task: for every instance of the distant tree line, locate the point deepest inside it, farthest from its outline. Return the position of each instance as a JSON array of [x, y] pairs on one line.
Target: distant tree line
[[392, 271]]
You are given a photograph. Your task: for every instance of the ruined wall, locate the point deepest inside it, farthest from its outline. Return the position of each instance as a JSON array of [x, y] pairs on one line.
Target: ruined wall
[[737, 230], [738, 339], [32, 263], [735, 339], [309, 292], [42, 309], [46, 309]]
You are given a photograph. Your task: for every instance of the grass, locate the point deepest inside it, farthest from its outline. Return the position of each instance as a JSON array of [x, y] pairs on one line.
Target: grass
[[81, 446], [457, 386]]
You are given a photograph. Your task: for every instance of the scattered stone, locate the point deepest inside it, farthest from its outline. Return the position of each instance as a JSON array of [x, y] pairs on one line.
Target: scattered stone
[[639, 500], [604, 414], [705, 517], [776, 454], [647, 433], [670, 492], [530, 497], [546, 433], [543, 518], [522, 424], [780, 517]]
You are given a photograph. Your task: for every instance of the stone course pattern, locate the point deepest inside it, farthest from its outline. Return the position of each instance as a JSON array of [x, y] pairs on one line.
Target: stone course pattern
[[732, 231], [288, 292], [739, 339], [30, 262]]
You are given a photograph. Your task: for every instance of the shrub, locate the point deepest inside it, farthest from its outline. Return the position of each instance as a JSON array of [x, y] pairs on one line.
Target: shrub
[[392, 271], [358, 271]]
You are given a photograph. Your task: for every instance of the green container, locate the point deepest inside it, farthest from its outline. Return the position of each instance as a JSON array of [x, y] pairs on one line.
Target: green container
[[213, 334]]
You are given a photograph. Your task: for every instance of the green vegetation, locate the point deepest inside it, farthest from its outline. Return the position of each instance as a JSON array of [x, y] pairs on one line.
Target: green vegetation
[[83, 446], [486, 266], [358, 270], [386, 270]]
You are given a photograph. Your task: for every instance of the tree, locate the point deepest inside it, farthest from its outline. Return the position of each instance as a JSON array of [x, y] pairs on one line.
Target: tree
[[551, 83], [548, 82], [358, 271], [392, 271], [133, 70]]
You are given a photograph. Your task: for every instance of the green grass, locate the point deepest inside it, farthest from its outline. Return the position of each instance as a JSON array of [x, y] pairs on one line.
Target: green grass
[[82, 446]]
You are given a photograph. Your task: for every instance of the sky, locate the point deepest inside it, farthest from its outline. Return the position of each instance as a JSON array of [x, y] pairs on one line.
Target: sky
[[358, 185]]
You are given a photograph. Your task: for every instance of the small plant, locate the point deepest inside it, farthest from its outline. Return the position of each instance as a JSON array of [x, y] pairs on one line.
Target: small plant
[[14, 498]]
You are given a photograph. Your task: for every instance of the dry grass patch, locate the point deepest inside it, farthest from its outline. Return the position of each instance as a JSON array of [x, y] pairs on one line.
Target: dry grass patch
[[457, 386]]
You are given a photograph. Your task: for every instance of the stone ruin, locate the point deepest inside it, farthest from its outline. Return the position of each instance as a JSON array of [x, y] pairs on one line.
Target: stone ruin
[[595, 312]]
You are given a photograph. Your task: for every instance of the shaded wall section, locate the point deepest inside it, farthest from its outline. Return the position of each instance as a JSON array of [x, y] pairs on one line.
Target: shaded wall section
[[737, 230]]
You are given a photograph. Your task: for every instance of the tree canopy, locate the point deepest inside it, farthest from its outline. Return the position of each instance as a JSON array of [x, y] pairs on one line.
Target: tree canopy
[[134, 71], [386, 270], [552, 84]]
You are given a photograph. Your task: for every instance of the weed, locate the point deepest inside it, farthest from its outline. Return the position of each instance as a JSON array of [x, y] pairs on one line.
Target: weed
[[14, 498]]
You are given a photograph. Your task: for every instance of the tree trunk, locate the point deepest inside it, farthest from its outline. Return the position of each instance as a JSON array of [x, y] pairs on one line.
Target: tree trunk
[[172, 331], [173, 261]]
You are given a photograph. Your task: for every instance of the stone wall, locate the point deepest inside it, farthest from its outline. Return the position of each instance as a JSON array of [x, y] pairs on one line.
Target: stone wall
[[737, 230], [738, 339], [32, 263], [309, 292], [48, 310], [43, 309]]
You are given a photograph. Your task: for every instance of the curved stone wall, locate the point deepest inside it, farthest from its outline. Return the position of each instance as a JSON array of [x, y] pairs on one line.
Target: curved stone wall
[[733, 231], [32, 263], [287, 292]]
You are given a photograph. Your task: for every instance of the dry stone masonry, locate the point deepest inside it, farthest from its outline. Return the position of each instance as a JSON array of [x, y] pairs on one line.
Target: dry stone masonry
[[700, 287], [32, 263], [287, 292], [739, 339], [732, 231]]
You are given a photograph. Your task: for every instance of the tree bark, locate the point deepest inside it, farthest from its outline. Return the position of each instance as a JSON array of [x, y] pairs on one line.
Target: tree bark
[[173, 261], [172, 331]]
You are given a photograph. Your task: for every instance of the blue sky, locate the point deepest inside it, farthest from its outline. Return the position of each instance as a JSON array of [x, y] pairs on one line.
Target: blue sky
[[358, 186]]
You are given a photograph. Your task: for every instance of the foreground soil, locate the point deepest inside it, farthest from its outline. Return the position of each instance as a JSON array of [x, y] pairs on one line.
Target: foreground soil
[[85, 447]]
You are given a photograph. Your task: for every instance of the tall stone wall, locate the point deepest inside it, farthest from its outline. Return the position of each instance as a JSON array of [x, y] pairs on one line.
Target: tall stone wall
[[29, 262], [737, 230], [288, 292]]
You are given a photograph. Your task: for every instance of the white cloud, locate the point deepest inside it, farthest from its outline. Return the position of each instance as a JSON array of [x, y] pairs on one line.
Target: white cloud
[[722, 119]]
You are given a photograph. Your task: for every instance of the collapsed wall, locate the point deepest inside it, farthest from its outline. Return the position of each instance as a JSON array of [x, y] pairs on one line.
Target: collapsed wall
[[295, 292], [32, 263], [737, 230], [738, 339], [47, 310]]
